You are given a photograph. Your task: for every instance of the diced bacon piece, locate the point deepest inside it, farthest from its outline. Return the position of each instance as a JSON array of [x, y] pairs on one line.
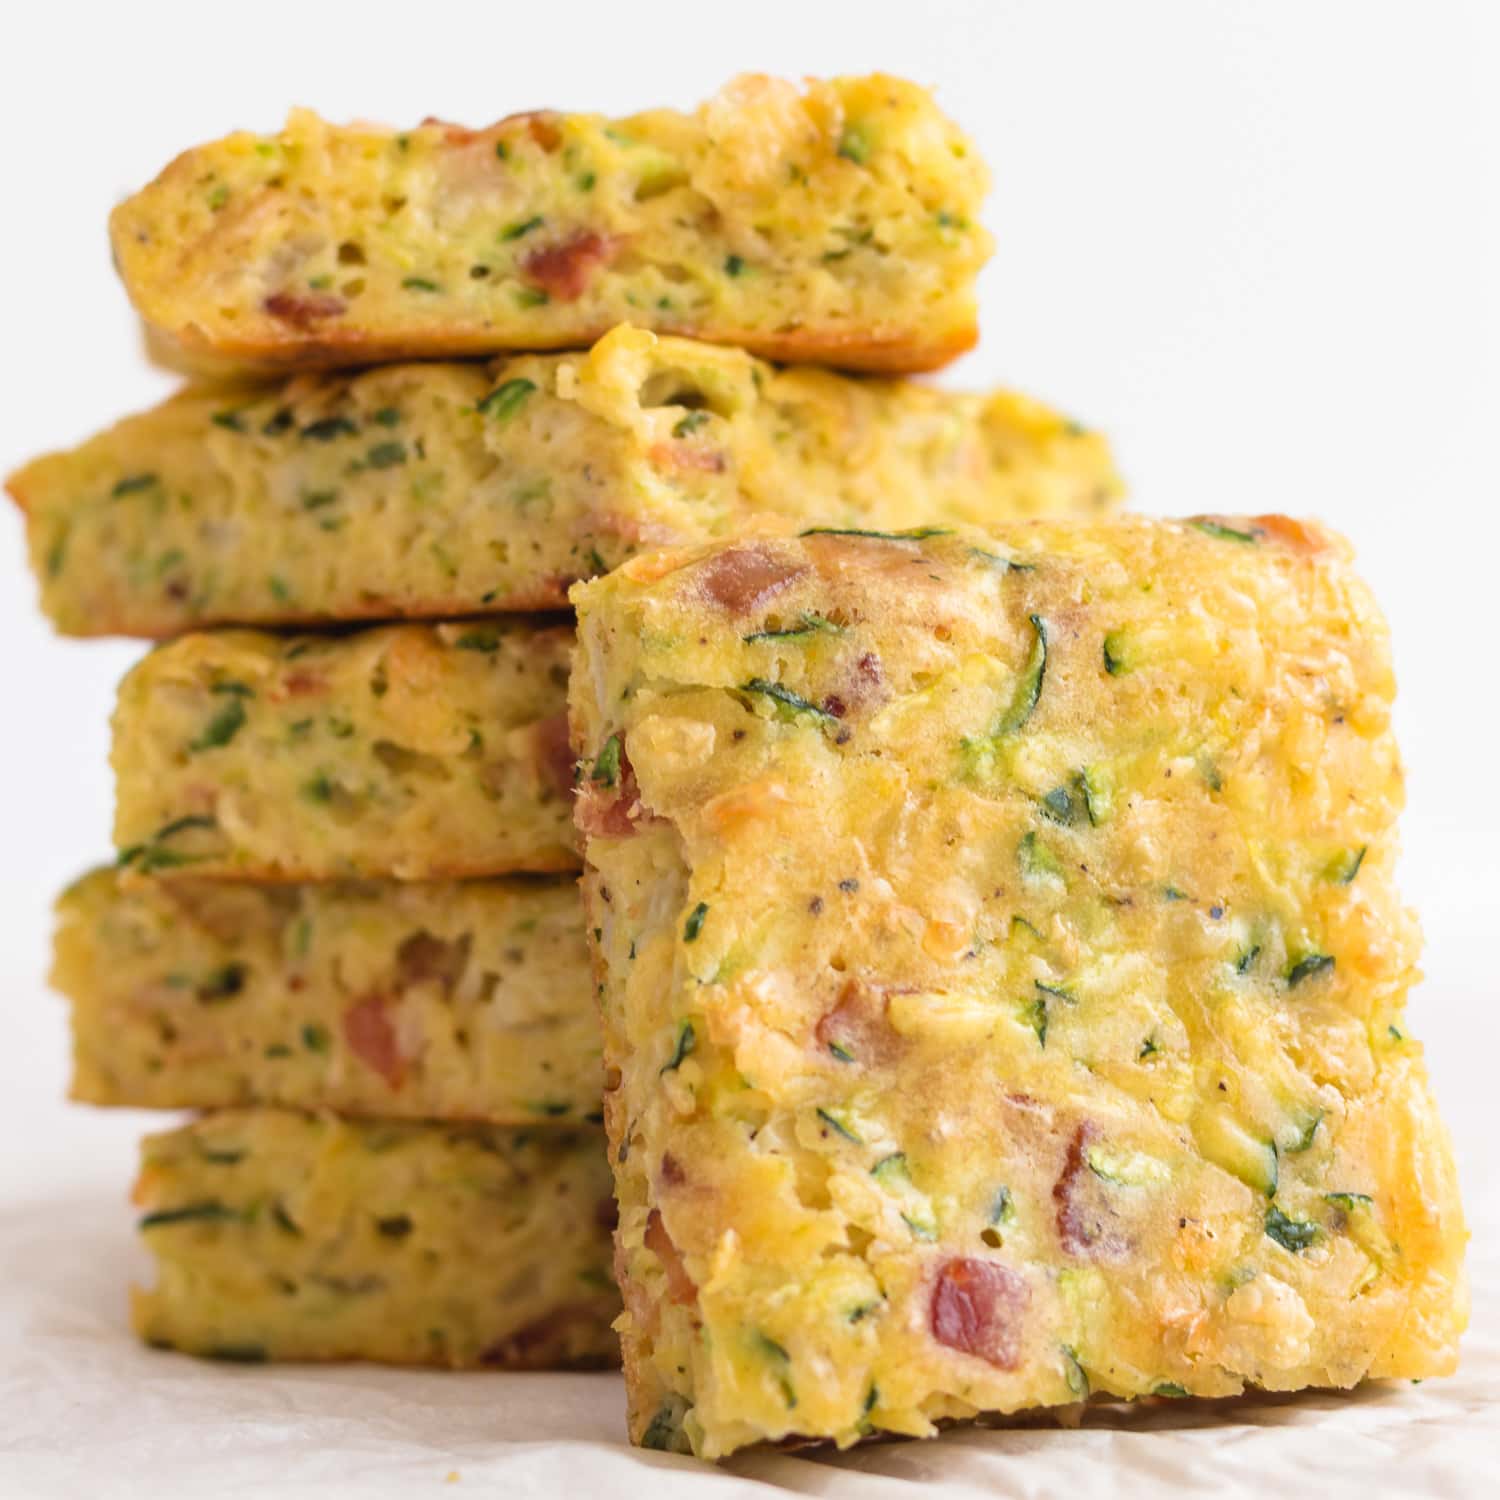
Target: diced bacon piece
[[611, 811], [1293, 535], [857, 1029], [372, 1039], [698, 458], [978, 1306], [680, 1285], [298, 684], [423, 957], [745, 578], [303, 309], [541, 125], [565, 269], [1086, 1223]]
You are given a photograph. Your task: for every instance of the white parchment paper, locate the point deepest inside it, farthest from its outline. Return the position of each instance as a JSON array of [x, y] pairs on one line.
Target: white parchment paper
[[87, 1414]]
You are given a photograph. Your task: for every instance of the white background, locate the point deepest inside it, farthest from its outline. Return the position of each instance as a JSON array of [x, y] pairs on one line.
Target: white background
[[1258, 243]]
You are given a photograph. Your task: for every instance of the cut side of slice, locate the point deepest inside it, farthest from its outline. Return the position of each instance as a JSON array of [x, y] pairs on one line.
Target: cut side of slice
[[284, 1236], [968, 1053], [833, 224], [464, 1000], [412, 752], [454, 489]]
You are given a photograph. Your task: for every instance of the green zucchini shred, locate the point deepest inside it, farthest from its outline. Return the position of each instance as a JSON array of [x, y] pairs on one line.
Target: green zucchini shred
[[226, 722], [1000, 564], [788, 705], [1116, 659], [606, 769], [1036, 860], [1029, 689], [855, 144], [1223, 532], [150, 856], [133, 484], [834, 1123], [1034, 1015], [687, 1039], [386, 455], [506, 399], [210, 1211], [664, 1432], [1309, 966], [1074, 1373], [811, 624], [912, 534], [1291, 1234], [326, 429], [1344, 866]]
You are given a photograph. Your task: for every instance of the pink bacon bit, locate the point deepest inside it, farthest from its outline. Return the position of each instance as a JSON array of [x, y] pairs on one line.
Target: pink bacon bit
[[302, 310], [565, 269], [423, 958], [1086, 1224], [680, 1286], [686, 456], [1293, 535], [542, 125], [744, 579], [372, 1039], [857, 1029], [554, 753], [298, 684], [978, 1307], [614, 811]]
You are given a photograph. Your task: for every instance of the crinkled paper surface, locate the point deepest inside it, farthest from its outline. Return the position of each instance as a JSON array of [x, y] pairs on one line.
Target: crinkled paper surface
[[86, 1412]]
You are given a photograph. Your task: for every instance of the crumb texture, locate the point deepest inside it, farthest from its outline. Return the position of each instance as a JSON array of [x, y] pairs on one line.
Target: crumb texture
[[452, 489], [836, 223], [284, 1236], [1004, 977]]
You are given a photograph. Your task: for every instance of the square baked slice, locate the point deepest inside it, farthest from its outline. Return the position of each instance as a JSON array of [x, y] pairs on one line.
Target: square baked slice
[[286, 1236], [835, 223], [410, 752], [452, 489], [1003, 977], [445, 1000]]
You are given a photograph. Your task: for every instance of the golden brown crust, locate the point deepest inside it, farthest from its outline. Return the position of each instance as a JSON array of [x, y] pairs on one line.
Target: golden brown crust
[[838, 221], [411, 751], [146, 625], [559, 862], [996, 1012], [189, 351]]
